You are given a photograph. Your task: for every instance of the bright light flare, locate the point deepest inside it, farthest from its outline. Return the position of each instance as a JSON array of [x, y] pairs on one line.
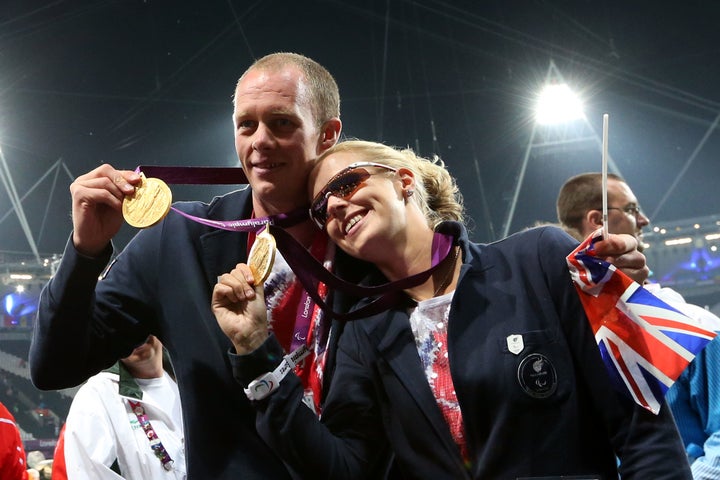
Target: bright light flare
[[558, 104]]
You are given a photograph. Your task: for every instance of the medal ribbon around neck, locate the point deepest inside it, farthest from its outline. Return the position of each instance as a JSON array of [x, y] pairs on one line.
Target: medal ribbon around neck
[[308, 270], [220, 176], [195, 175]]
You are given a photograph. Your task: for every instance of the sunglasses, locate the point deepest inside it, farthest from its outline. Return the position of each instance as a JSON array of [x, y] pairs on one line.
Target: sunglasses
[[343, 185]]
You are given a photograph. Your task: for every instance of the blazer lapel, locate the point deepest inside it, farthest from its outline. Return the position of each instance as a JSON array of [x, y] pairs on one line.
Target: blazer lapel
[[221, 250], [396, 346]]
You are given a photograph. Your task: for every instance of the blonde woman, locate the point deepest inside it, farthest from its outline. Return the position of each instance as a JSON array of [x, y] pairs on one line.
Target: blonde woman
[[486, 370]]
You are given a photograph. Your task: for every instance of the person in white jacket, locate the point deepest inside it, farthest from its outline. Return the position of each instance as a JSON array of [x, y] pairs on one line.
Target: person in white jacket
[[125, 423]]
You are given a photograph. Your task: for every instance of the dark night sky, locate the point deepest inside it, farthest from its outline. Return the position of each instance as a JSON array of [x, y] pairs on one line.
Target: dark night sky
[[134, 82]]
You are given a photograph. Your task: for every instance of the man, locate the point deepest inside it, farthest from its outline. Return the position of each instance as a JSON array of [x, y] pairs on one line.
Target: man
[[579, 206], [695, 397], [287, 112], [13, 464], [579, 210], [106, 434]]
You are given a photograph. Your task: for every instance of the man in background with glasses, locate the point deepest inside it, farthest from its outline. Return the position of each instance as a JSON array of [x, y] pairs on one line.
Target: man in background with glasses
[[579, 207], [695, 396]]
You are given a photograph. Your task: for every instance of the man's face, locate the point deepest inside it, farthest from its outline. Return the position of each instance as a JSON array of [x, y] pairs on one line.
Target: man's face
[[148, 350], [276, 137], [624, 214]]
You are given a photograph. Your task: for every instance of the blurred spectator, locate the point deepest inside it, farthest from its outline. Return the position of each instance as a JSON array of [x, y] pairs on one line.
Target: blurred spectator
[[125, 422], [695, 403], [13, 465], [45, 469], [34, 459], [59, 471], [40, 468]]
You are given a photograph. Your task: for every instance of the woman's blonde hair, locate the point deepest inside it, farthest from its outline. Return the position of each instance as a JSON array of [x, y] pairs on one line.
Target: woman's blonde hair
[[436, 192]]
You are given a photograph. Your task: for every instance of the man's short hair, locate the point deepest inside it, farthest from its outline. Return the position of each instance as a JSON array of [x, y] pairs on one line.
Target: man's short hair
[[578, 195], [324, 95]]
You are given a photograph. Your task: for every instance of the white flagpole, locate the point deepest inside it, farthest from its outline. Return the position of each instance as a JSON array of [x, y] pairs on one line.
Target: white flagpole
[[604, 176]]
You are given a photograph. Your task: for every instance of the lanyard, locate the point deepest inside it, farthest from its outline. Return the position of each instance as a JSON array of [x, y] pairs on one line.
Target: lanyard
[[307, 306], [155, 443]]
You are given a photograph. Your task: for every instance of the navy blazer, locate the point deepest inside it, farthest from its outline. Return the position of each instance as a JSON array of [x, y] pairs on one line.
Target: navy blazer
[[548, 410], [161, 284]]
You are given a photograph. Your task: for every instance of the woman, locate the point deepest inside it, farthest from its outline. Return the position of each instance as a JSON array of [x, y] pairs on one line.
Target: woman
[[488, 370]]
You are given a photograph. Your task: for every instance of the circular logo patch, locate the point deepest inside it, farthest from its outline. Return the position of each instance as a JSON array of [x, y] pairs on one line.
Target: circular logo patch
[[537, 376]]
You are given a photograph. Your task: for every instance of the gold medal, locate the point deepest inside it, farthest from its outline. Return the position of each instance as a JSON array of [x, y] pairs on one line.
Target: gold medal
[[262, 256], [149, 204]]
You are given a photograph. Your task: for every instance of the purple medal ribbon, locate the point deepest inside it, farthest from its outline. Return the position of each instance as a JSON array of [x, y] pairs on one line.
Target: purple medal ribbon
[[308, 270], [220, 176], [251, 224], [302, 320], [195, 175]]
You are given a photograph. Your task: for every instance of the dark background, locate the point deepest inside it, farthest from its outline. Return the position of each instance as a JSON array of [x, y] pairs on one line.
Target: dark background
[[134, 82]]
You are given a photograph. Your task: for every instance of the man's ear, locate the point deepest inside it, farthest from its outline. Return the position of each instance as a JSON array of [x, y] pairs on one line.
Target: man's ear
[[330, 134], [593, 218]]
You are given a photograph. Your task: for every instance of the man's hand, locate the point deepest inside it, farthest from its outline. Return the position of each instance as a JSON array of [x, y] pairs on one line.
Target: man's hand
[[97, 200], [239, 307], [621, 250]]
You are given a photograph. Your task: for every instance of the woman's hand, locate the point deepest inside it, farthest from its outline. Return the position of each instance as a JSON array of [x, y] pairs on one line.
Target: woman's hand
[[239, 307]]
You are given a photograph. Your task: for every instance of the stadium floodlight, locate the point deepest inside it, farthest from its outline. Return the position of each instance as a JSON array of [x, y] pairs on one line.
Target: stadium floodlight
[[557, 104]]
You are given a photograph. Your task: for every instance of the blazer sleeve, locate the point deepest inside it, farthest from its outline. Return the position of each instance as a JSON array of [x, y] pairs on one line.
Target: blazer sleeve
[[647, 445], [347, 443], [84, 324]]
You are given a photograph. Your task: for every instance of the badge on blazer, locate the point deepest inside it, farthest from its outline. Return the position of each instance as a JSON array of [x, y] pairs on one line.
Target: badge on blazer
[[107, 269], [515, 344], [537, 376]]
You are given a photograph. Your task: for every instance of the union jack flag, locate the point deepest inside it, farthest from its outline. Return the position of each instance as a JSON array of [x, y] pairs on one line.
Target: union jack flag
[[644, 342]]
